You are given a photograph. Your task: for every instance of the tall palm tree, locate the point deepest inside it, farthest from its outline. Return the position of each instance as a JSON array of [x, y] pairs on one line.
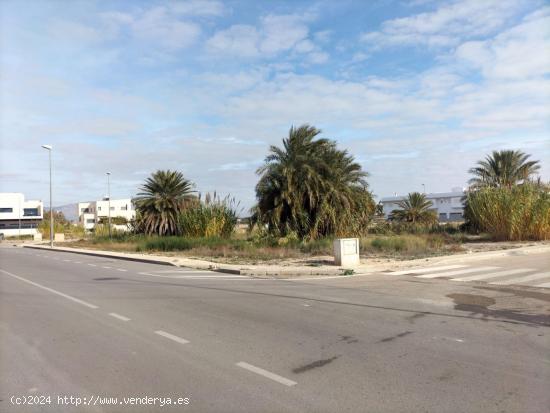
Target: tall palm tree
[[162, 197], [310, 187], [415, 209], [503, 169]]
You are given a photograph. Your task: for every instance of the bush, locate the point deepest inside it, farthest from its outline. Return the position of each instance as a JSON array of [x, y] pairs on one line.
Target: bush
[[213, 218], [517, 213]]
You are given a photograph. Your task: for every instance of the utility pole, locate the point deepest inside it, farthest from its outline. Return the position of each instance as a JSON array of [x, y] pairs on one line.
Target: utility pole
[[109, 199], [49, 149]]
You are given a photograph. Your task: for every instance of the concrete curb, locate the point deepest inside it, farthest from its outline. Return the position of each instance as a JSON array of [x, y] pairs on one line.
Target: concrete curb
[[102, 254], [202, 265]]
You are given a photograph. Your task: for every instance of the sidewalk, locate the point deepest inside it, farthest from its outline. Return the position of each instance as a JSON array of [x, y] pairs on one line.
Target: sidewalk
[[280, 271]]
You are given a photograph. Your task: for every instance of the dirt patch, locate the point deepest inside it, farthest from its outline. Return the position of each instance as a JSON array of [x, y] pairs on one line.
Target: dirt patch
[[471, 302], [477, 305], [537, 295], [314, 365]]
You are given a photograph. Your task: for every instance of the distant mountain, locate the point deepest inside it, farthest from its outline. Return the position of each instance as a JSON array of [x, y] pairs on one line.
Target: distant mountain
[[69, 211]]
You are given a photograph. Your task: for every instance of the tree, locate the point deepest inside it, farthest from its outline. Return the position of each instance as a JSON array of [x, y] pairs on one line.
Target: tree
[[415, 209], [311, 188], [503, 169], [163, 195]]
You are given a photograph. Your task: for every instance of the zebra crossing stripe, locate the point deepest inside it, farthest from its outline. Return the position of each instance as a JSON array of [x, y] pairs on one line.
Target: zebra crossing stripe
[[458, 272], [525, 279], [428, 269], [493, 274]]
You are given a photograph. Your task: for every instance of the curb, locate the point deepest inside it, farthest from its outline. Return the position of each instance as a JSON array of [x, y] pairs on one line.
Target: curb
[[212, 267], [99, 254]]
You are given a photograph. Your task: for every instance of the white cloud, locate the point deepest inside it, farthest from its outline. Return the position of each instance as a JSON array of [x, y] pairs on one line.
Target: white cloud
[[516, 53], [274, 35], [160, 27], [239, 40], [445, 26], [198, 7]]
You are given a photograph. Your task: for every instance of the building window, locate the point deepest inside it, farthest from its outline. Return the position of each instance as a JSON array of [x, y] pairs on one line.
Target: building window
[[90, 221], [30, 212], [99, 208], [442, 216], [456, 215], [112, 208], [5, 210], [124, 208]]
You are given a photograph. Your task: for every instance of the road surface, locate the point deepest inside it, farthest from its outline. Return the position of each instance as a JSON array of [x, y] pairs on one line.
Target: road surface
[[120, 336]]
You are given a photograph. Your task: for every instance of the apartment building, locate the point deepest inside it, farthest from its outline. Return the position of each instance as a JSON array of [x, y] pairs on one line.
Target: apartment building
[[447, 205], [94, 212], [19, 216]]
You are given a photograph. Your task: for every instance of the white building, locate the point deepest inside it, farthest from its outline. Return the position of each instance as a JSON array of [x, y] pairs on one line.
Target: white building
[[447, 205], [94, 212], [19, 217]]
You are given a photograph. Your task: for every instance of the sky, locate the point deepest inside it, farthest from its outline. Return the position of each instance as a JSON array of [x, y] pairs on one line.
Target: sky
[[417, 91]]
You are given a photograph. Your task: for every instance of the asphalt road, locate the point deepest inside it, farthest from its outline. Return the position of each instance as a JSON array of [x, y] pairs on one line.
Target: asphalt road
[[96, 329]]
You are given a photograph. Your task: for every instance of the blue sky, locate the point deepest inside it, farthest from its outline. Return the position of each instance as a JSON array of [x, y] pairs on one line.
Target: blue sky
[[416, 90]]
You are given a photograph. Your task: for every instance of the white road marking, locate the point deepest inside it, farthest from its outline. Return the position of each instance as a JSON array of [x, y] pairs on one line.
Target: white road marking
[[458, 272], [527, 278], [66, 260], [51, 290], [121, 269], [78, 262], [171, 336], [92, 265], [427, 269], [107, 268], [543, 285], [493, 274], [199, 277], [265, 373], [120, 317]]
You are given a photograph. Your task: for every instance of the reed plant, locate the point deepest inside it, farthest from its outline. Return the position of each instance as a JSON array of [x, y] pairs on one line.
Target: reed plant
[[510, 213], [213, 217]]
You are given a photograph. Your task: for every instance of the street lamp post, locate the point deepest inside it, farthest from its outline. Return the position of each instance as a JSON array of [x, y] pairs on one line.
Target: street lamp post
[[49, 149], [424, 188], [109, 199]]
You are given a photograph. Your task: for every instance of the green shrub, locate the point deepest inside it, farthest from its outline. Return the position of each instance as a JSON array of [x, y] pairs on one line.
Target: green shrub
[[212, 218], [510, 213]]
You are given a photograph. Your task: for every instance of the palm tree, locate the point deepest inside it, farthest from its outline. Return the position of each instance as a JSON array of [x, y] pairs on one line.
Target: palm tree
[[503, 169], [415, 209], [162, 197], [310, 187]]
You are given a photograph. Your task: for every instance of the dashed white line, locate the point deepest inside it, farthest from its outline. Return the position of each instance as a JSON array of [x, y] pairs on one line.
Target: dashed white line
[[51, 290], [120, 317], [121, 269], [265, 373], [107, 268], [171, 337], [66, 260], [78, 262], [543, 285], [92, 265]]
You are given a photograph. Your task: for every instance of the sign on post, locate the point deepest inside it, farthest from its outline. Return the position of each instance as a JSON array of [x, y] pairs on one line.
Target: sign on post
[[346, 252]]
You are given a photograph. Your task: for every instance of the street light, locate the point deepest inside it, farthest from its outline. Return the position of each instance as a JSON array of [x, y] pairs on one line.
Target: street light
[[49, 149], [109, 199], [424, 188]]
